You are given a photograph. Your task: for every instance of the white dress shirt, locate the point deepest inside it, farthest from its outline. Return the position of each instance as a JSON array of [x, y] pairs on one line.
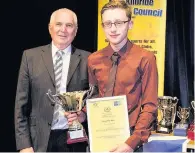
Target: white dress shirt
[[62, 121]]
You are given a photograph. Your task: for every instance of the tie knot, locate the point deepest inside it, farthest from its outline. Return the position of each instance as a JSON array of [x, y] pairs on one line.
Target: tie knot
[[59, 53], [115, 57]]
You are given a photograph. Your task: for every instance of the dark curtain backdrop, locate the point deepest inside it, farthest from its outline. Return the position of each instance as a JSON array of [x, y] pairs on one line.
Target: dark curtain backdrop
[[179, 62], [24, 24]]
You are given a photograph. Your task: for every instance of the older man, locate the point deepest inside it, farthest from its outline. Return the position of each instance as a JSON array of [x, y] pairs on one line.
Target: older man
[[58, 66]]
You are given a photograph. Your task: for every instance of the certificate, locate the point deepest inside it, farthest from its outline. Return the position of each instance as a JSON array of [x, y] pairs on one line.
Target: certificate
[[108, 122]]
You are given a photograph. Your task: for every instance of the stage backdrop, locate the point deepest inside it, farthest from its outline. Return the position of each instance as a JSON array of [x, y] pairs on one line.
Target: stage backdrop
[[149, 18]]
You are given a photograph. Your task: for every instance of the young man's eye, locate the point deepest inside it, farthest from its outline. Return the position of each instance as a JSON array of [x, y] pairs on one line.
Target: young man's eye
[[119, 22]]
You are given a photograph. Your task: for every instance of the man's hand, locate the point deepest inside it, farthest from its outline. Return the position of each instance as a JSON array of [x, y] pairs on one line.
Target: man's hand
[[122, 148], [27, 150], [80, 116]]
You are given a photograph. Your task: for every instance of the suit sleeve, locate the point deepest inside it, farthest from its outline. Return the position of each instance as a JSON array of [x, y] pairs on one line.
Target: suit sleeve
[[148, 103], [22, 133]]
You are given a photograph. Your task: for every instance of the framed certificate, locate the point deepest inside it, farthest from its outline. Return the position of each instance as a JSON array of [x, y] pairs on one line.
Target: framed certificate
[[108, 122]]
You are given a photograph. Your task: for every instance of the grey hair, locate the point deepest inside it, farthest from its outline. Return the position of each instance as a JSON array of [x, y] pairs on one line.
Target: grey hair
[[63, 10]]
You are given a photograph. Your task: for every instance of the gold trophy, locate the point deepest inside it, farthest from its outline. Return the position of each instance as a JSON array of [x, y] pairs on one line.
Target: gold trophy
[[73, 102], [167, 106]]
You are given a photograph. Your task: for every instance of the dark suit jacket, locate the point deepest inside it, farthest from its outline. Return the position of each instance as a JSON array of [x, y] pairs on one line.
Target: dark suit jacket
[[33, 109]]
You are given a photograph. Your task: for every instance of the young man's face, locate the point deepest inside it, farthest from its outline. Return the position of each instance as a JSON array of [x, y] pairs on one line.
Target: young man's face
[[117, 33]]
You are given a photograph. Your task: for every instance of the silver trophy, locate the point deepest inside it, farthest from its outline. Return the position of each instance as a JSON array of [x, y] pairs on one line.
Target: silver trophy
[[183, 114], [167, 106], [73, 102], [181, 127]]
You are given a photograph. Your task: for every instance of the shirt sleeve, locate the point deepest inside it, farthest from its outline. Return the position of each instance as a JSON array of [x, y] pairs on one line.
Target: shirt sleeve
[[149, 97]]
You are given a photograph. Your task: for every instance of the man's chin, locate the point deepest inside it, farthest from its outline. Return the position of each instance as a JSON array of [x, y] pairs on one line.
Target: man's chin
[[114, 42]]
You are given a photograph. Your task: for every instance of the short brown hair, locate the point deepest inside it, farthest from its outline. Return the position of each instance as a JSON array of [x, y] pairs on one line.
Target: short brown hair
[[113, 4]]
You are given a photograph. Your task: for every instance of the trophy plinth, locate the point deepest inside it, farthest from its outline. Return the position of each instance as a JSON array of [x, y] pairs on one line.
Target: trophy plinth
[[73, 102], [182, 126], [191, 131], [167, 106]]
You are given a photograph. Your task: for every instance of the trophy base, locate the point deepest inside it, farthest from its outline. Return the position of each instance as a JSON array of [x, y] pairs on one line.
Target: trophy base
[[165, 130], [180, 130], [76, 136]]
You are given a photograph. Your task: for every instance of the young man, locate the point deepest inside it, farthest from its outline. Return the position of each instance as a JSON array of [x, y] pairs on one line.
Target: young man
[[61, 67], [134, 73]]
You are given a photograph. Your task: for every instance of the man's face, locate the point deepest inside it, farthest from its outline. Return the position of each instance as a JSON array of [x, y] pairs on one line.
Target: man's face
[[62, 29], [116, 35]]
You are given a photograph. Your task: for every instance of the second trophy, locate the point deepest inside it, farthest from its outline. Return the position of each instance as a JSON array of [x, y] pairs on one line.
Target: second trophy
[[167, 105]]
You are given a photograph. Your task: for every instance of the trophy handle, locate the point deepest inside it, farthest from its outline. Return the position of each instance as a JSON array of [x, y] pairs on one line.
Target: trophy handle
[[179, 108], [51, 97], [188, 113], [93, 90], [193, 105], [178, 114], [176, 100]]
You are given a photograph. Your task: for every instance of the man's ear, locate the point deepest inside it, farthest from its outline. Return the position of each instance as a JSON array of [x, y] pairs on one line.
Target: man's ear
[[76, 30], [130, 25], [49, 28]]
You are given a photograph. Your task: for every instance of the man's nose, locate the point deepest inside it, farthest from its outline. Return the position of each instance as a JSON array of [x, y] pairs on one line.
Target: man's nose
[[113, 27], [63, 28]]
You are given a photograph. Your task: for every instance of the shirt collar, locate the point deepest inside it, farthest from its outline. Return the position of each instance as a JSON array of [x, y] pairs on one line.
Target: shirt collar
[[65, 51], [109, 51]]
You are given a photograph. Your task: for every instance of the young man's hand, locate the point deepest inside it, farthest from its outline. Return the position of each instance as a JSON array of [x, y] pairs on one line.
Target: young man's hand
[[122, 148]]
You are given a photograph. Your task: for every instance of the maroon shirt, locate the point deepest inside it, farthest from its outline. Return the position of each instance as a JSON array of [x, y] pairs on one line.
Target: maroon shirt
[[137, 78]]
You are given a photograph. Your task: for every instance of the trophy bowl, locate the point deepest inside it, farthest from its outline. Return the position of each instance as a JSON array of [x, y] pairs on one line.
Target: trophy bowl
[[167, 106], [183, 114], [73, 102]]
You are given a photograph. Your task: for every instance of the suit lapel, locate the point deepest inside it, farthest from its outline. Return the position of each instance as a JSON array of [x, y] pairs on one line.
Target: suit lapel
[[47, 58], [74, 61]]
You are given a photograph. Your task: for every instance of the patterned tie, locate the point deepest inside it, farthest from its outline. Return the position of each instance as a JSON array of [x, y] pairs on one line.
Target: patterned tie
[[58, 119], [112, 76], [58, 70]]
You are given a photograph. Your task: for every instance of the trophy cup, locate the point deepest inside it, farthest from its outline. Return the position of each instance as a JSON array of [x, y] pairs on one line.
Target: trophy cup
[[191, 131], [167, 106], [73, 102], [181, 127]]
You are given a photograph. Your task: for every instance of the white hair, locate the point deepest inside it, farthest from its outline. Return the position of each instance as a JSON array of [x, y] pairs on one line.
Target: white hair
[[63, 10]]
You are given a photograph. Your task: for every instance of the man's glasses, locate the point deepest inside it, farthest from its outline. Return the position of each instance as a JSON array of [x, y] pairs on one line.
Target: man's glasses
[[117, 24]]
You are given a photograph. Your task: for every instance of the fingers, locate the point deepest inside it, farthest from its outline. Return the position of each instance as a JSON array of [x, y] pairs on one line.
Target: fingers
[[27, 150], [113, 149], [70, 117]]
